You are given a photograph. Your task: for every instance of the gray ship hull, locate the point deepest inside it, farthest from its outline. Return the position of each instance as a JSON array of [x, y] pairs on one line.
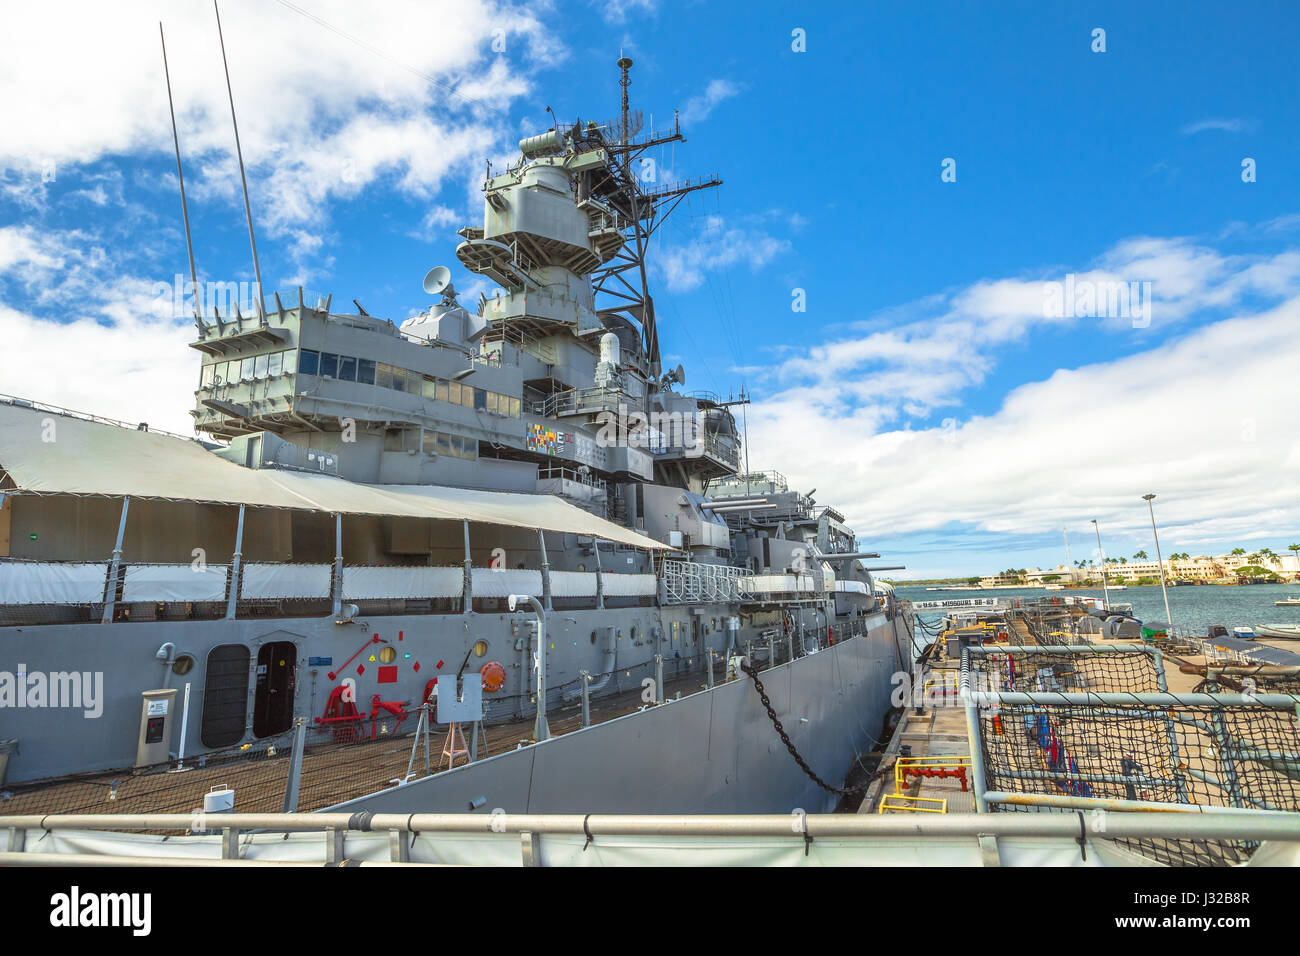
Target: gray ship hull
[[121, 660], [712, 752]]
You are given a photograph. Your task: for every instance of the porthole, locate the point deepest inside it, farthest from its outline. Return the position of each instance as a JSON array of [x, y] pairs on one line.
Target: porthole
[[387, 655], [480, 648], [183, 664]]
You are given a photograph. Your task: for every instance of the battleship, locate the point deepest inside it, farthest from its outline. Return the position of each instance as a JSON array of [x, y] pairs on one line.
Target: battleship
[[515, 499], [511, 521]]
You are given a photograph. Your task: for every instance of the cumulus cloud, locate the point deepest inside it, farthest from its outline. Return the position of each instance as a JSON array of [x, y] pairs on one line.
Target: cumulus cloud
[[1206, 419], [698, 108], [717, 245], [402, 93]]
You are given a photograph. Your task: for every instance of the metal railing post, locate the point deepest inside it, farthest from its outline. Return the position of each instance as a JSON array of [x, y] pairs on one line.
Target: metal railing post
[[585, 680], [294, 783], [236, 560], [467, 601], [337, 588], [114, 567], [600, 577], [546, 570]]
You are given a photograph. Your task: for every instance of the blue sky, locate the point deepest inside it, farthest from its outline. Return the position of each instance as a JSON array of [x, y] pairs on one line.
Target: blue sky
[[923, 390]]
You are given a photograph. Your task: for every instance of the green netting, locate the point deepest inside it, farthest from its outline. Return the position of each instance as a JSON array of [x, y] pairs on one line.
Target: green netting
[[1226, 756], [1064, 672]]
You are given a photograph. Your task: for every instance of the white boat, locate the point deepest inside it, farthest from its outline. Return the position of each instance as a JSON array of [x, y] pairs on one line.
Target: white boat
[[1285, 631], [1288, 602]]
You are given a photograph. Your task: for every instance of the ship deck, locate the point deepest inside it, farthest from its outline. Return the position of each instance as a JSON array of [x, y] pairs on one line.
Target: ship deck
[[330, 775]]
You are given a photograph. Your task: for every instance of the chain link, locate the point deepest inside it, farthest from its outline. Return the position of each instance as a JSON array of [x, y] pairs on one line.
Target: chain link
[[785, 739]]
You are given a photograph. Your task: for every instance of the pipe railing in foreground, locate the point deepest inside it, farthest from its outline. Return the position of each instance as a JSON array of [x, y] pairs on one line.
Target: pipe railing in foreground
[[1215, 823]]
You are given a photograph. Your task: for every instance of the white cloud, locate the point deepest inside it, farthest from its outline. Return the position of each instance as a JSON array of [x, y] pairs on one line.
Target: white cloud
[[618, 11], [1207, 420], [96, 339], [1225, 125], [320, 118], [717, 245], [698, 108]]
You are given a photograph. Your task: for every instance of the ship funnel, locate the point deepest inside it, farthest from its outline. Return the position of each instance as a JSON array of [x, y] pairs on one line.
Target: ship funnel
[[543, 144]]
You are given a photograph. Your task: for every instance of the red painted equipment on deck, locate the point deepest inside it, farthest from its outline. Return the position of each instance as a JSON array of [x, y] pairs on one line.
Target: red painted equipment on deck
[[341, 716]]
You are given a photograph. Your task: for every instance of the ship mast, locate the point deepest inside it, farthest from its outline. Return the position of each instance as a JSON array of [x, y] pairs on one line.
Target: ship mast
[[643, 211]]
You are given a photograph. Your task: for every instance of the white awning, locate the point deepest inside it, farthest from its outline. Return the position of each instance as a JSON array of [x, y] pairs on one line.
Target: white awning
[[48, 453]]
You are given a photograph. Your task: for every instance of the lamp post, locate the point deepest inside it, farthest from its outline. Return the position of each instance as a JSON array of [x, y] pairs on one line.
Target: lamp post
[[1160, 562], [1105, 585]]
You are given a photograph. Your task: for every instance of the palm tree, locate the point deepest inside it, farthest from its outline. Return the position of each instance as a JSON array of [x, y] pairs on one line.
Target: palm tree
[[1140, 556], [1238, 551]]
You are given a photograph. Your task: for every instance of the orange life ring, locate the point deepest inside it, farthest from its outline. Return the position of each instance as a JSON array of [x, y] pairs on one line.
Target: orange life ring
[[494, 676]]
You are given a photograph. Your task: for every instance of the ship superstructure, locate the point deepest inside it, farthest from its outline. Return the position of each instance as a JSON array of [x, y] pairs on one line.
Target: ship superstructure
[[373, 497]]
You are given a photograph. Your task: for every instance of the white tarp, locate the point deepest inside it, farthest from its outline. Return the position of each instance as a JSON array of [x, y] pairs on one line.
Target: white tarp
[[285, 581], [573, 583], [629, 585], [34, 582], [174, 582], [56, 454], [491, 583], [361, 583]]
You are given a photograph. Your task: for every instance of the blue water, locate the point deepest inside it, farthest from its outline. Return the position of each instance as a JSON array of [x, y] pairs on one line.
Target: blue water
[[1193, 608]]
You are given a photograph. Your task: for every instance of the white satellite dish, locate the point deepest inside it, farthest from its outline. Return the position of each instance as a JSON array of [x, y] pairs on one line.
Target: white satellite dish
[[437, 280]]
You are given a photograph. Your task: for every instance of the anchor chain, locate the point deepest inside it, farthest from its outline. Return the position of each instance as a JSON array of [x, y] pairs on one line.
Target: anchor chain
[[749, 669]]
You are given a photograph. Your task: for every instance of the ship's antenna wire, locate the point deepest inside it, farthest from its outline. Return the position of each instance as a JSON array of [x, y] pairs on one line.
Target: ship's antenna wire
[[248, 209], [185, 212], [446, 88]]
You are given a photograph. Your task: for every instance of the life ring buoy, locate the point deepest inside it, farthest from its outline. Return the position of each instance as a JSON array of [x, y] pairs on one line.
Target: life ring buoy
[[494, 676]]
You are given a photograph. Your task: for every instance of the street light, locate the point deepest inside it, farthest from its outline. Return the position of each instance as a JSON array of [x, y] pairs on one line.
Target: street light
[[1160, 562], [1105, 586], [541, 729]]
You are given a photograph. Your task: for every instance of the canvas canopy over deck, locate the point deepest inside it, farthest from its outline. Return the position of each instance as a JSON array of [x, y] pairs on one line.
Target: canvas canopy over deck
[[262, 534], [51, 454]]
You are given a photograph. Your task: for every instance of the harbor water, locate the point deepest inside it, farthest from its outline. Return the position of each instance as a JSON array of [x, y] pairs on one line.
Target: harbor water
[[1193, 607]]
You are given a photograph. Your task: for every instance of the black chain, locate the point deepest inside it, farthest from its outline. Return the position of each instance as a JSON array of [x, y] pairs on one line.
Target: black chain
[[785, 739]]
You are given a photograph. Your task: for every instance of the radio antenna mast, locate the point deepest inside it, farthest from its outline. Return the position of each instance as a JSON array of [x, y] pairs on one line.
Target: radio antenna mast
[[185, 211], [239, 153]]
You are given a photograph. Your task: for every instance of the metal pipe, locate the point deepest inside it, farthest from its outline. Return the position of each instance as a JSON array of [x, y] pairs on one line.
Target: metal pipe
[[600, 577], [1107, 803], [295, 765], [585, 680], [546, 570], [467, 603], [541, 729], [337, 584], [995, 698], [1212, 823]]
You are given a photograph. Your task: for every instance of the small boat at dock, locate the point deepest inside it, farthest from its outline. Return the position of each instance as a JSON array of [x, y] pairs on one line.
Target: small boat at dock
[[1285, 631]]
